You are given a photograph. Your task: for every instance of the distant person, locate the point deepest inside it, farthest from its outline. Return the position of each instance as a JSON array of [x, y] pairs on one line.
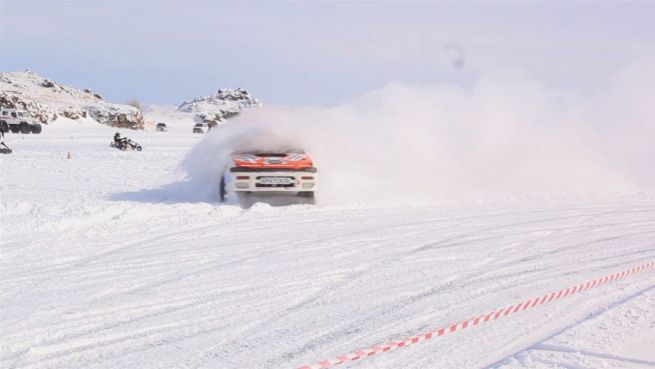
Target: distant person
[[119, 141]]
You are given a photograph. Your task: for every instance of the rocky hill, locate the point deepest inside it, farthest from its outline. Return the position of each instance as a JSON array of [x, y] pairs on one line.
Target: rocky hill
[[215, 108], [45, 101]]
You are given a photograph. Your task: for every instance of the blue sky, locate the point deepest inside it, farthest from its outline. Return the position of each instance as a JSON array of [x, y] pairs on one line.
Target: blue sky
[[295, 53]]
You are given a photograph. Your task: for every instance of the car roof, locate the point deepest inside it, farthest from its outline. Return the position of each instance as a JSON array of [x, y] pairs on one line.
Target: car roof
[[274, 152]]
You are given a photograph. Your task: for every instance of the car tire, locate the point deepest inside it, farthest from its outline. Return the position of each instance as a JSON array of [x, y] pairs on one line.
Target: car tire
[[24, 127], [36, 128], [14, 128], [222, 192]]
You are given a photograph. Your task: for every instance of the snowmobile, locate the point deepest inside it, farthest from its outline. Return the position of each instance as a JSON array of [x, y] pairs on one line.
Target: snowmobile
[[4, 128], [125, 144], [4, 149]]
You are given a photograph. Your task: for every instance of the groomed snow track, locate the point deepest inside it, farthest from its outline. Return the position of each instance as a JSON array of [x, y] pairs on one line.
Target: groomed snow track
[[100, 272]]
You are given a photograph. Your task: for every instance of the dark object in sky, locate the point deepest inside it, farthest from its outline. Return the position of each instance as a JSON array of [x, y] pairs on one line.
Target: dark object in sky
[[455, 54]]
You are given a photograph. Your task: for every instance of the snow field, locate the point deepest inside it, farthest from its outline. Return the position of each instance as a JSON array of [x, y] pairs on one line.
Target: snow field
[[108, 261]]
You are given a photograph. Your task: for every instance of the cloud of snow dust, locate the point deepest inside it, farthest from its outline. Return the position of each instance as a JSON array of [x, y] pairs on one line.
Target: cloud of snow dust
[[507, 134]]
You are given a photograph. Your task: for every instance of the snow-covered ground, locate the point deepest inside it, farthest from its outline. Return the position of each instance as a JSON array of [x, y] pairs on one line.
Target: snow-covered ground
[[105, 265], [176, 121]]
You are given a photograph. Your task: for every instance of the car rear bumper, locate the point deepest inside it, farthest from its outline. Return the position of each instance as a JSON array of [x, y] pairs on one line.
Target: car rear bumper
[[264, 170], [272, 180]]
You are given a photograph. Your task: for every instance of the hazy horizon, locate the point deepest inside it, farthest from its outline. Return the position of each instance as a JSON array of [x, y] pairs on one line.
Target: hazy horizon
[[316, 53]]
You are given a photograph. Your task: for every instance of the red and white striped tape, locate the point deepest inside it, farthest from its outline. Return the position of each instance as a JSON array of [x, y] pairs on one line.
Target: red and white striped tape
[[451, 328]]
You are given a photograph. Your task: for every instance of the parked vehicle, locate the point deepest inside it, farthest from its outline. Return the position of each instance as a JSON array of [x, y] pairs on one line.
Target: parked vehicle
[[161, 127], [18, 121], [201, 128]]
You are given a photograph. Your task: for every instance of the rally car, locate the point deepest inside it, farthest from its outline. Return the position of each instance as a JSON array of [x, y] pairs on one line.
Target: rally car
[[291, 172]]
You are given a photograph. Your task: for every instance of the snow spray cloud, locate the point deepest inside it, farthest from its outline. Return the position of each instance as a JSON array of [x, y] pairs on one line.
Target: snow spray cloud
[[506, 135]]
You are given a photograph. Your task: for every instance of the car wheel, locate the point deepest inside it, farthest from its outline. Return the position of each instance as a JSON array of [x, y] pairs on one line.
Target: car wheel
[[24, 127], [222, 192], [36, 128]]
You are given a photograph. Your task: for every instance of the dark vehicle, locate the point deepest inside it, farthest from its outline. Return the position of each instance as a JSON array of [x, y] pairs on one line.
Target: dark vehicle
[[201, 128]]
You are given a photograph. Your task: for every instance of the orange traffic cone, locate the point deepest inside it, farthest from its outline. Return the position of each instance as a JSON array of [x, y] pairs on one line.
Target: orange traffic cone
[[69, 156]]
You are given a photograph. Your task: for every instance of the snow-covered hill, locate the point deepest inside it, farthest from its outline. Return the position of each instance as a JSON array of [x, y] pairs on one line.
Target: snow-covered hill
[[223, 104], [46, 101]]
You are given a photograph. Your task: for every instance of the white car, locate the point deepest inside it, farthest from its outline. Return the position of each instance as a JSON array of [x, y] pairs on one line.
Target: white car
[[161, 127], [201, 128], [268, 173]]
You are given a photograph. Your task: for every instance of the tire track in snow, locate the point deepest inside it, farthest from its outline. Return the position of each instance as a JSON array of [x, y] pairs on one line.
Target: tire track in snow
[[591, 315], [307, 301], [43, 275], [254, 326], [391, 308], [465, 280]]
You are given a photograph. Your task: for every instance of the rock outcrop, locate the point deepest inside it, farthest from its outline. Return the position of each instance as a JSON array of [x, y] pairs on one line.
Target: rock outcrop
[[225, 103], [45, 101]]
